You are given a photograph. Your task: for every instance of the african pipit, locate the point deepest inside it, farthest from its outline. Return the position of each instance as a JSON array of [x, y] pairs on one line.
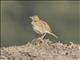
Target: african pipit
[[41, 27]]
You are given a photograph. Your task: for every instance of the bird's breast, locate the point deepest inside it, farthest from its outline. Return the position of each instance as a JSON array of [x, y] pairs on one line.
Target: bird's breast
[[36, 29]]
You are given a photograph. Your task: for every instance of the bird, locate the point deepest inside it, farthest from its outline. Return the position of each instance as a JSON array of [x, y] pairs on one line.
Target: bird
[[41, 27]]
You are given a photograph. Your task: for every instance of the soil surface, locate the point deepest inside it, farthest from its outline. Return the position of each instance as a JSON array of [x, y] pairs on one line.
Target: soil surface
[[39, 49]]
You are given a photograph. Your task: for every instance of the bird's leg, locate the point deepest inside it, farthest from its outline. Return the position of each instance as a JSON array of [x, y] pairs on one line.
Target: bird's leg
[[43, 35]]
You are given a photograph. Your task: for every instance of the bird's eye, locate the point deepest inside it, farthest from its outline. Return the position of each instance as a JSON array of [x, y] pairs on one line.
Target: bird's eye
[[35, 21]]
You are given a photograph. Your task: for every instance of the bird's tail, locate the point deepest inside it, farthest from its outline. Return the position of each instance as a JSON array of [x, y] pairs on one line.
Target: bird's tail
[[53, 34]]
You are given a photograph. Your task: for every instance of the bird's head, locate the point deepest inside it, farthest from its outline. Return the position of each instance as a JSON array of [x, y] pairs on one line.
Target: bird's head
[[34, 18]]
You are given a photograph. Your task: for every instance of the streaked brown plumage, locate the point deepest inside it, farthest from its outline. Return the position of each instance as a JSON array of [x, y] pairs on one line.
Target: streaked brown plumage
[[41, 27]]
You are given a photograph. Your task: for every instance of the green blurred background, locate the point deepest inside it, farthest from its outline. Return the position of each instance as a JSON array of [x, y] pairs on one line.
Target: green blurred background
[[62, 16]]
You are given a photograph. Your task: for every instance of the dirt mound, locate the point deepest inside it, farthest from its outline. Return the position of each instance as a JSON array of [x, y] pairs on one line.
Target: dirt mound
[[40, 49]]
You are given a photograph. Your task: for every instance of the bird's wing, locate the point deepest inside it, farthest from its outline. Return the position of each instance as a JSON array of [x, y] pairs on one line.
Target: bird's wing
[[46, 26]]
